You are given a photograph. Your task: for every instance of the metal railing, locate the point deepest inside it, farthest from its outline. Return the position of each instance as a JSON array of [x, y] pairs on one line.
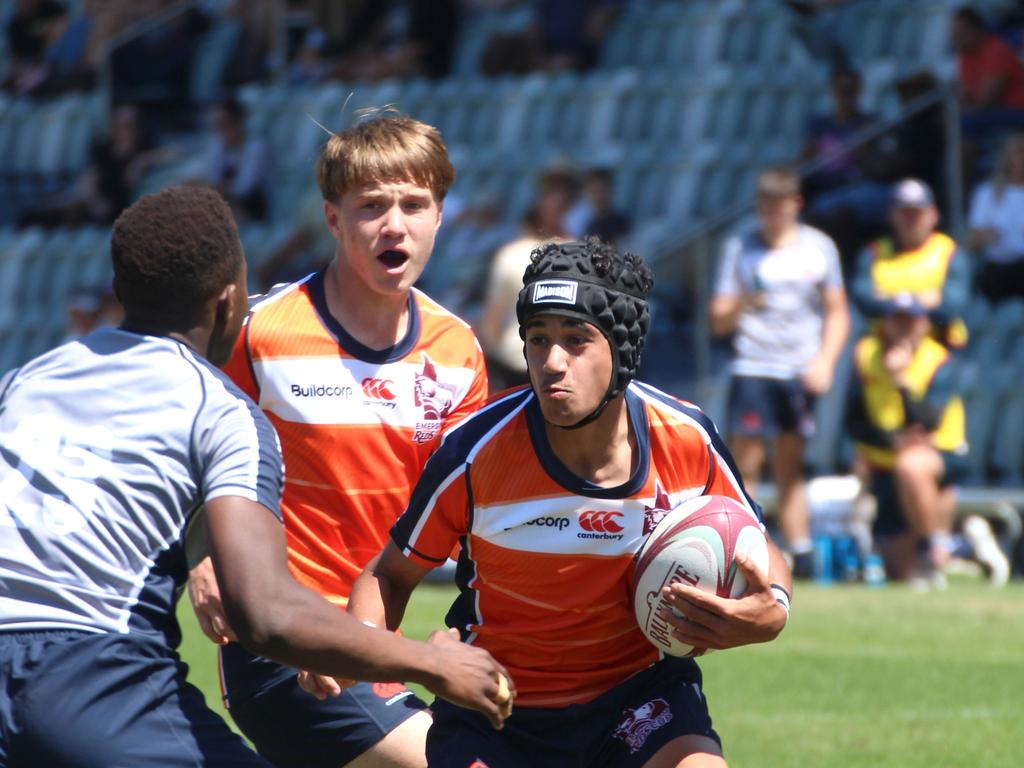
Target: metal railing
[[701, 243]]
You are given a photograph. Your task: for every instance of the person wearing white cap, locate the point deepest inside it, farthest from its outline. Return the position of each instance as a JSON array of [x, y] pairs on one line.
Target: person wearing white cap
[[917, 260]]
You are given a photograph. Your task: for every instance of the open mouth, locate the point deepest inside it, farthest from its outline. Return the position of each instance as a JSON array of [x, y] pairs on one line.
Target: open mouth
[[392, 259]]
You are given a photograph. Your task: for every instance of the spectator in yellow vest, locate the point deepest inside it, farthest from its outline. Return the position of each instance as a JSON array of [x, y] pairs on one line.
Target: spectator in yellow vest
[[908, 424], [917, 260]]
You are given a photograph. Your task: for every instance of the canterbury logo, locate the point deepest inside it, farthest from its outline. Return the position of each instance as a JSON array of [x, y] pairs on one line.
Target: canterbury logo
[[600, 522], [379, 388]]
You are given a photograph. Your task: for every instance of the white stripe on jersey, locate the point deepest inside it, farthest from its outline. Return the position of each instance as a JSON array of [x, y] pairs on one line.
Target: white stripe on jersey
[[276, 292], [328, 389], [455, 475]]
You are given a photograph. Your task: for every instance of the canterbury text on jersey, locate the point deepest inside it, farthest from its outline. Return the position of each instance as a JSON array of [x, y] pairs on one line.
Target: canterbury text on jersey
[[356, 424], [547, 559], [108, 445]]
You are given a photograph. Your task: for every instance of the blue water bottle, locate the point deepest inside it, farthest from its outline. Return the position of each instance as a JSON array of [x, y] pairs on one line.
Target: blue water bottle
[[823, 559]]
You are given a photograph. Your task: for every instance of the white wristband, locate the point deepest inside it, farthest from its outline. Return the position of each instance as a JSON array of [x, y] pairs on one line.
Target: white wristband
[[781, 597]]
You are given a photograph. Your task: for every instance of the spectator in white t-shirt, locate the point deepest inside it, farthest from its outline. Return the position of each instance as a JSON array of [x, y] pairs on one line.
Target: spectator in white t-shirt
[[997, 225], [780, 295]]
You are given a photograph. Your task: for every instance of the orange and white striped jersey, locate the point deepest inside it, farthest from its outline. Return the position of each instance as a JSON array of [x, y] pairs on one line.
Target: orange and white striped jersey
[[356, 424], [547, 559]]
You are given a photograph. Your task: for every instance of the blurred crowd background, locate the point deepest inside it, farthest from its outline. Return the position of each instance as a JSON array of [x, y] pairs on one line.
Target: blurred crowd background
[[646, 122]]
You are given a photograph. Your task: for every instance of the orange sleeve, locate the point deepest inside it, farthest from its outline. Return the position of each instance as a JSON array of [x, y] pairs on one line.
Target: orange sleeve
[[239, 366], [437, 515]]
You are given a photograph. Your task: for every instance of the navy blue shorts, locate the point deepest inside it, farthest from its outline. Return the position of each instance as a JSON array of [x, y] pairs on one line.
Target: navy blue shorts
[[889, 520], [762, 407], [81, 700], [292, 728], [622, 728]]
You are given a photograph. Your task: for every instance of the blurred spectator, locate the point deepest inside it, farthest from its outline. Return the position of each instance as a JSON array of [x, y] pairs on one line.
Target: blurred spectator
[[780, 292], [850, 190], [816, 24], [106, 187], [595, 212], [308, 247], [238, 166], [917, 144], [256, 45], [499, 329], [457, 273], [31, 29], [847, 195], [570, 31], [996, 222], [918, 260], [909, 427], [154, 68], [311, 63], [565, 34], [394, 38], [991, 74]]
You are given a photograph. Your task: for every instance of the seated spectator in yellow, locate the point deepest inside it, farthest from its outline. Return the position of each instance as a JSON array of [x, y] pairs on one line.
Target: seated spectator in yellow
[[909, 426]]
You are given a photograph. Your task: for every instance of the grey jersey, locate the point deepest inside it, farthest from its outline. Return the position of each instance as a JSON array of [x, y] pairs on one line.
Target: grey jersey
[[780, 338], [108, 446]]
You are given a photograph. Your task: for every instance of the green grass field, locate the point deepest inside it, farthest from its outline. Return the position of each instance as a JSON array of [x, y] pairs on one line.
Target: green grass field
[[860, 677]]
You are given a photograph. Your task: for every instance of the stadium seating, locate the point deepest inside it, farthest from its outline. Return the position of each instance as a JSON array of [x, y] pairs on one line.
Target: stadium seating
[[688, 101]]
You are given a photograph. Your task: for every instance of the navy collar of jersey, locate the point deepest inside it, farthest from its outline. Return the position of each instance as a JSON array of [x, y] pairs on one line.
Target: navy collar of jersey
[[351, 345], [561, 474]]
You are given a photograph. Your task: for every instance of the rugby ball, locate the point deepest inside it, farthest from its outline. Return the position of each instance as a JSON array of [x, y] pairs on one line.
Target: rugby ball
[[696, 543]]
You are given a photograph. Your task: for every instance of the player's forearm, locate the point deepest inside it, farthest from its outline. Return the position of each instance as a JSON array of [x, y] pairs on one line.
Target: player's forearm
[[778, 571], [377, 599], [299, 628], [724, 315]]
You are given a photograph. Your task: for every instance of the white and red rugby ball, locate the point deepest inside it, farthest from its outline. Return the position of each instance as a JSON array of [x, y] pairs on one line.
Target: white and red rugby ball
[[695, 543]]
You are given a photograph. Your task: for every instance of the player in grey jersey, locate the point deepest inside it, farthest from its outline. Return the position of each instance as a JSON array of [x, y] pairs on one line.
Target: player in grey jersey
[[108, 446]]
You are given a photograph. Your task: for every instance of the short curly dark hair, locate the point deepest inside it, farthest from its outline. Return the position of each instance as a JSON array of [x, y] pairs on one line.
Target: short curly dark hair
[[173, 250], [592, 256]]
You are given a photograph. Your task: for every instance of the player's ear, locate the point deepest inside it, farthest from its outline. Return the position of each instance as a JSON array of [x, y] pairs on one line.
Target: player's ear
[[332, 215], [440, 216], [228, 314], [227, 305]]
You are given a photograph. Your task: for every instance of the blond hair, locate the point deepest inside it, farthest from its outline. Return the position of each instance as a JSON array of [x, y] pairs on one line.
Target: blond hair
[[777, 182], [384, 146]]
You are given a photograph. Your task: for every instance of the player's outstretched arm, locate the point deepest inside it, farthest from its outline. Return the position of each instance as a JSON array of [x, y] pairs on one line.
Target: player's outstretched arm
[[719, 622], [276, 617], [381, 592]]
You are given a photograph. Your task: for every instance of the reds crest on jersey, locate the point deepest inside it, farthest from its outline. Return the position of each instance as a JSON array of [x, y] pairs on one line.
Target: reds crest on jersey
[[654, 513], [434, 397]]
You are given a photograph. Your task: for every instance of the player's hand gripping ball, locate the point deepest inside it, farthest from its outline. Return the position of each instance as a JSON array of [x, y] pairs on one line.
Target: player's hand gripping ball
[[695, 543]]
